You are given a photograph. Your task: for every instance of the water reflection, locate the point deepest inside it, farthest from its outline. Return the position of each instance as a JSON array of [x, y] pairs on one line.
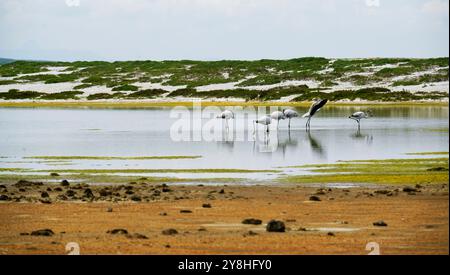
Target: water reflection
[[315, 145], [358, 136]]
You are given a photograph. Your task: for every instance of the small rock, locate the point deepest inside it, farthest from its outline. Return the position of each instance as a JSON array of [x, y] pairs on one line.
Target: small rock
[[104, 193], [250, 233], [135, 198], [409, 189], [382, 192], [185, 211], [206, 205], [166, 189], [163, 214], [118, 231], [314, 198], [88, 193], [380, 223], [70, 193], [137, 236], [331, 234], [252, 221], [58, 189], [46, 201], [25, 183], [170, 231], [4, 198], [109, 209], [275, 226], [44, 195], [222, 191], [24, 234], [65, 183], [54, 174], [42, 232]]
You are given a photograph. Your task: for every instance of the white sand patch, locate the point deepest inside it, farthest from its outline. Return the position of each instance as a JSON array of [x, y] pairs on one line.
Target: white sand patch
[[149, 85], [429, 87], [40, 87]]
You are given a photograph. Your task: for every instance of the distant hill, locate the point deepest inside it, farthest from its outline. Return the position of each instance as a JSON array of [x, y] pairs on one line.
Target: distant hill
[[299, 79], [6, 60]]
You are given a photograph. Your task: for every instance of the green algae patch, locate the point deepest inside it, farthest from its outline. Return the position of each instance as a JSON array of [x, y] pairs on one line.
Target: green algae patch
[[110, 158], [390, 171], [143, 171], [428, 153]]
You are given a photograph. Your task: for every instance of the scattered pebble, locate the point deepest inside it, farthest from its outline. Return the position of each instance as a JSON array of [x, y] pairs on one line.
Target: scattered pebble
[[314, 198], [119, 231], [65, 183], [206, 205], [169, 231], [252, 221], [275, 226], [185, 211], [43, 232], [380, 223]]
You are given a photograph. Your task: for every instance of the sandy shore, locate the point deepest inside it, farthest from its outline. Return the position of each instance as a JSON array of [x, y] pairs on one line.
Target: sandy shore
[[208, 219]]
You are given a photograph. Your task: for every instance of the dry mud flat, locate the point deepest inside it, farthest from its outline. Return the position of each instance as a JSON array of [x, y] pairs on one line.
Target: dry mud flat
[[144, 218]]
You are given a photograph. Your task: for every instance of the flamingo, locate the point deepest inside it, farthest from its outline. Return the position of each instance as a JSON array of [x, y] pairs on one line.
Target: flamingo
[[277, 115], [264, 120], [358, 116], [289, 113], [315, 107], [227, 115]]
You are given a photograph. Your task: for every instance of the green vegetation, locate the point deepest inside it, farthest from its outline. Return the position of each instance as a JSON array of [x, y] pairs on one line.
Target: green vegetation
[[189, 74], [62, 95], [141, 171], [389, 171], [126, 87], [16, 94]]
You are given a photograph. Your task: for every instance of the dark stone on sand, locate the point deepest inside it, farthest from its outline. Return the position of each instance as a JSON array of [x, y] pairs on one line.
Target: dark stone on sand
[[185, 211], [45, 200], [109, 209], [22, 190], [206, 205], [170, 231], [222, 191], [380, 223], [65, 183], [382, 192], [275, 226], [331, 234], [118, 231], [314, 198], [437, 169], [2, 186], [54, 174], [24, 234], [58, 189], [88, 193], [61, 197], [129, 192], [409, 189], [104, 192], [70, 193], [44, 195], [252, 221], [137, 236], [42, 232], [250, 233], [26, 183], [4, 198], [135, 198], [163, 214], [166, 189]]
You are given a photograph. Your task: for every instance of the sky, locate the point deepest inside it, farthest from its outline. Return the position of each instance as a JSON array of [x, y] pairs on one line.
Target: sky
[[69, 30]]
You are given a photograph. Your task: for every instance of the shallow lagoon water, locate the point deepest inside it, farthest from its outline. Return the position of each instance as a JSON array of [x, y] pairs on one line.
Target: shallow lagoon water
[[392, 132]]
